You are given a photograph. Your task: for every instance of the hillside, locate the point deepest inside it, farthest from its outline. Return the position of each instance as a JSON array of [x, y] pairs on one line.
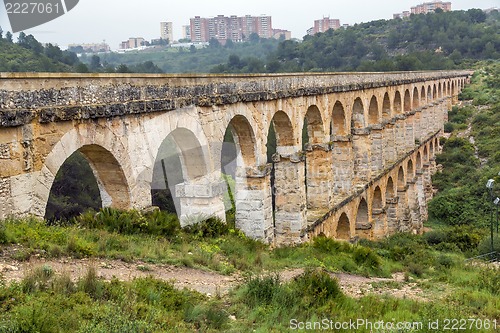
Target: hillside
[[442, 40], [28, 55]]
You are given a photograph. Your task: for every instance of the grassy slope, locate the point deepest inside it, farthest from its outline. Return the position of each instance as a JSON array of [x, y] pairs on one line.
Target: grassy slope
[[47, 302]]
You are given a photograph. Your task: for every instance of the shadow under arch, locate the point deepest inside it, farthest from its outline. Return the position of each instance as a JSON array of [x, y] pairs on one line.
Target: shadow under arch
[[343, 228], [363, 225], [109, 178], [180, 159], [338, 125]]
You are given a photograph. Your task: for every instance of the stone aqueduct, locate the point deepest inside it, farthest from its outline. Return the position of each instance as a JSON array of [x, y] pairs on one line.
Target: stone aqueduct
[[364, 172]]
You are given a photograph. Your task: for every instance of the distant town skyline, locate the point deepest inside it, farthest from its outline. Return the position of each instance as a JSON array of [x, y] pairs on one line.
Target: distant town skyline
[[114, 21]]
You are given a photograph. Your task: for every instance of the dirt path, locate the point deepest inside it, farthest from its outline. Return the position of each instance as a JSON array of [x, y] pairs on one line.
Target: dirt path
[[209, 283]]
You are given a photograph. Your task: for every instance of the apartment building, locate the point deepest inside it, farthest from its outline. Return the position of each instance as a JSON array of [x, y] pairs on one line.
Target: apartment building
[[428, 7], [236, 28], [324, 24], [166, 31], [132, 43]]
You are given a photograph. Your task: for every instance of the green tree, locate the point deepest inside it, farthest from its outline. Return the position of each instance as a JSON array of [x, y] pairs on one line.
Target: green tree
[[95, 63], [254, 38], [213, 43], [123, 69], [81, 68]]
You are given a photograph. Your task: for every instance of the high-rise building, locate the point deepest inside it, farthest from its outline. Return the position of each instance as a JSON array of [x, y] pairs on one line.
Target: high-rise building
[[166, 31], [233, 27], [325, 24], [428, 7], [186, 32]]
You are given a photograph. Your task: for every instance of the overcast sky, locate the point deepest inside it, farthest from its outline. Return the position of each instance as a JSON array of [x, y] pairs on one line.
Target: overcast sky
[[93, 21]]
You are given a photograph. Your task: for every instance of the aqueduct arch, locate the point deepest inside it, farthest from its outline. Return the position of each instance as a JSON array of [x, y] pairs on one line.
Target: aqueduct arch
[[338, 124], [113, 179]]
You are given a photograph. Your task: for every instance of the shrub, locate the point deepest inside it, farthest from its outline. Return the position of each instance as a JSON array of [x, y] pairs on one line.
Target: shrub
[[162, 224], [435, 237], [206, 316], [448, 127], [210, 228], [131, 222], [367, 257], [466, 238], [37, 279], [316, 287], [415, 269], [447, 247], [262, 290], [445, 261], [78, 247], [490, 280], [91, 285], [329, 245], [484, 245]]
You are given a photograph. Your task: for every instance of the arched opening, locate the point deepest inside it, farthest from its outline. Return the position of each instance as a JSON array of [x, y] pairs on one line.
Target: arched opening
[[363, 224], [423, 99], [429, 94], [358, 114], [448, 91], [407, 101], [237, 152], [312, 131], [440, 92], [426, 154], [377, 199], [389, 189], [431, 147], [74, 191], [343, 228], [397, 103], [339, 126], [373, 117], [419, 162], [377, 213], [107, 172], [453, 89], [280, 134], [409, 170], [401, 179], [180, 159], [283, 129], [416, 103], [386, 107], [434, 92]]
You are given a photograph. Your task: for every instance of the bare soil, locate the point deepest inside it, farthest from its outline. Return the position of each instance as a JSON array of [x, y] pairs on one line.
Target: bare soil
[[206, 282]]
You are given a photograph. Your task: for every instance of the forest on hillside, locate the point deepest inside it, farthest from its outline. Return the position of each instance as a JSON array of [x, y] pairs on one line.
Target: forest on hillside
[[27, 54], [441, 40]]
